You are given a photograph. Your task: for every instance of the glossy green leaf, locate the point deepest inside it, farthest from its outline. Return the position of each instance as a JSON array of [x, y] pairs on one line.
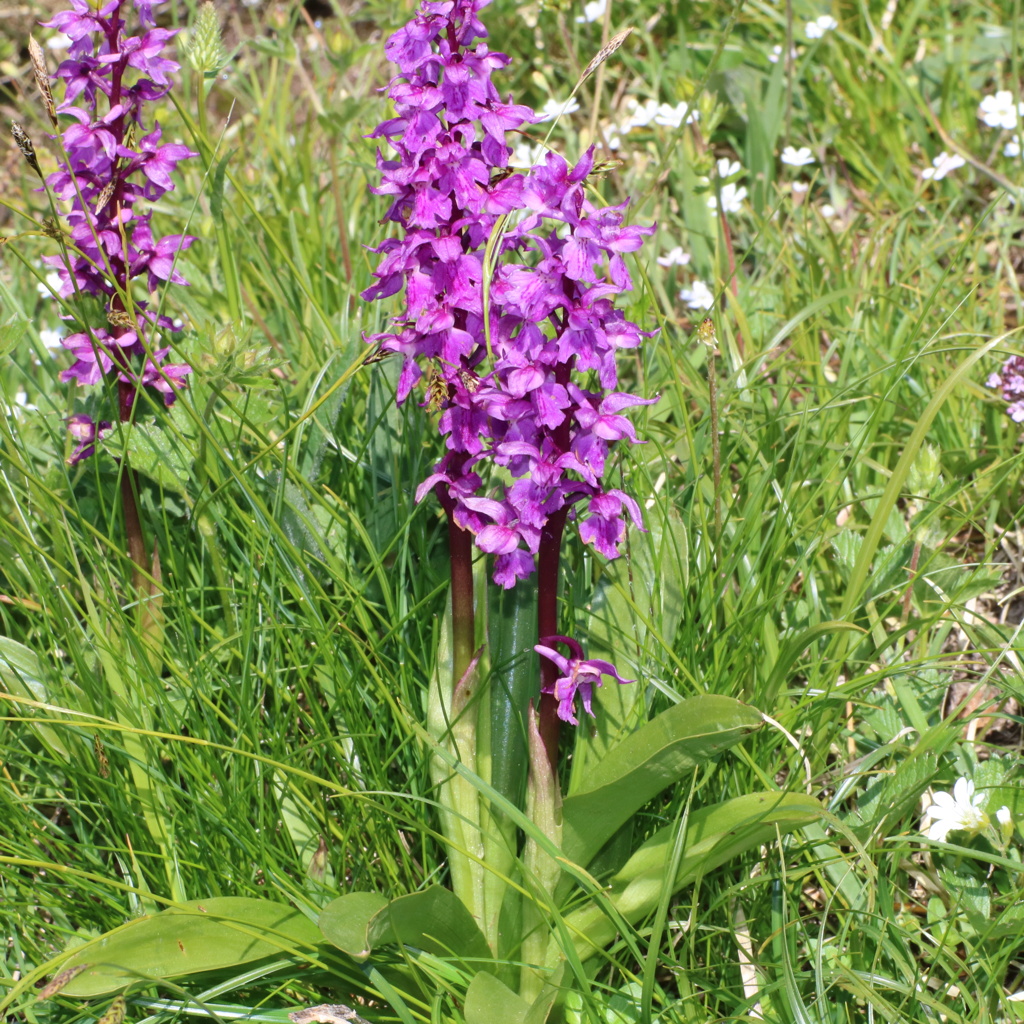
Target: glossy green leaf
[[714, 835], [22, 675], [346, 921], [657, 755], [434, 920], [489, 1000], [203, 935]]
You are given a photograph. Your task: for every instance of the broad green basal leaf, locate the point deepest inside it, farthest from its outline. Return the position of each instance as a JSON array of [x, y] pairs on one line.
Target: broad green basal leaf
[[655, 756], [203, 935], [346, 920]]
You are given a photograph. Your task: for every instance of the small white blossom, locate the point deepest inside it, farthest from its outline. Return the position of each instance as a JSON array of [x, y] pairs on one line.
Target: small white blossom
[[21, 405], [1005, 819], [961, 811], [776, 53], [828, 211], [673, 117], [556, 108], [999, 111], [50, 339], [800, 187], [727, 168], [641, 114], [59, 41], [1017, 997], [697, 296], [1012, 148], [592, 12], [797, 157], [674, 258], [943, 164], [50, 285], [525, 155], [732, 199], [817, 28]]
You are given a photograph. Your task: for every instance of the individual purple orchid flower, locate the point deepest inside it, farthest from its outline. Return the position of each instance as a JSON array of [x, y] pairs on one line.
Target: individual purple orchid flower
[[88, 433], [114, 160], [1010, 379], [578, 676]]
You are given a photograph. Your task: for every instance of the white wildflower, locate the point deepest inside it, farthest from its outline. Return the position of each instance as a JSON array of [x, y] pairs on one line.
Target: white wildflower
[[674, 258], [20, 405], [817, 28], [1012, 148], [673, 117], [641, 114], [50, 339], [943, 164], [797, 157], [1000, 111], [799, 187], [556, 108], [776, 53], [525, 155], [961, 811], [50, 285], [697, 296], [732, 199], [592, 12], [727, 168]]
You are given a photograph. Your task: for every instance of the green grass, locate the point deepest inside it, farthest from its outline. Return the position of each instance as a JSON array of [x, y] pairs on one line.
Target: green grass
[[868, 479]]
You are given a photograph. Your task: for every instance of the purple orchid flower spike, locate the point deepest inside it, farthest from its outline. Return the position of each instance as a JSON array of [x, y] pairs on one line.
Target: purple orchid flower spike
[[528, 397], [517, 405], [114, 160]]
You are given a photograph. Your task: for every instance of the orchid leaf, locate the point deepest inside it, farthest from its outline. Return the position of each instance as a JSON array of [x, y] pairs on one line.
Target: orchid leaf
[[714, 836], [203, 935], [345, 922], [22, 675], [489, 1000], [434, 920], [654, 757]]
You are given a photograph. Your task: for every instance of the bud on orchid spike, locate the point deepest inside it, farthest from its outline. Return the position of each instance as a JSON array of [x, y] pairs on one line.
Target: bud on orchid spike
[[115, 163], [519, 356]]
